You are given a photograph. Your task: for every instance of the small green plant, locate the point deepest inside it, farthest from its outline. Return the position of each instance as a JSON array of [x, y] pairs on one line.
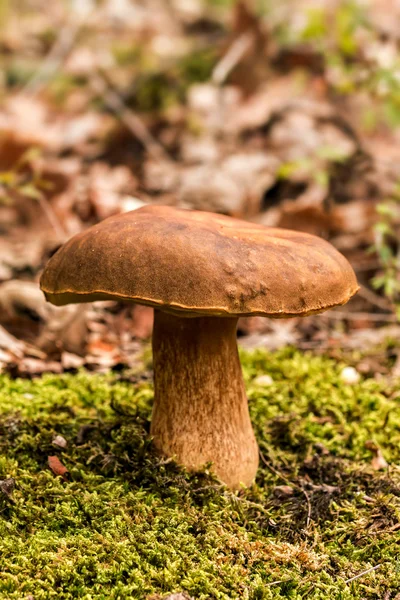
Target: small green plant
[[315, 167], [387, 248], [21, 179]]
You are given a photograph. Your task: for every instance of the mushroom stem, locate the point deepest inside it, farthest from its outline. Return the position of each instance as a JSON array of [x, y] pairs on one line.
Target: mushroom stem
[[200, 409]]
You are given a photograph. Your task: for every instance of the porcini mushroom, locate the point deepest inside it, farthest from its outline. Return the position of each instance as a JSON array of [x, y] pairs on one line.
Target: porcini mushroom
[[201, 272]]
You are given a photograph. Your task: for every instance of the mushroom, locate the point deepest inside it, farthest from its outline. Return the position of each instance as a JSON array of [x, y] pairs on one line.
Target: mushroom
[[201, 272]]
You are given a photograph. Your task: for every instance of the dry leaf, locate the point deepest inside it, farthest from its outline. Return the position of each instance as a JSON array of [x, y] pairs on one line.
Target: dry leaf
[[57, 467], [283, 491], [71, 361], [252, 68], [29, 367], [9, 343], [107, 186]]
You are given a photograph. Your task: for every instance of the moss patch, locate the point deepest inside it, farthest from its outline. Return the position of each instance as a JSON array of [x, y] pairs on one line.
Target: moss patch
[[125, 524]]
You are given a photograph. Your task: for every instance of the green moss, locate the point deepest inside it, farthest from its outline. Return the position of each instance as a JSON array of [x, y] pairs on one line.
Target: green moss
[[126, 524]]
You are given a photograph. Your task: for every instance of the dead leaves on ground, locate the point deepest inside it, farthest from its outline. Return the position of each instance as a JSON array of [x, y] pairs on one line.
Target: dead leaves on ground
[[41, 338], [262, 138]]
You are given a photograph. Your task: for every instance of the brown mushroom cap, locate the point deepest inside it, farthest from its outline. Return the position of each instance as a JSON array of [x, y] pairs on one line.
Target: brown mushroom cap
[[202, 263]]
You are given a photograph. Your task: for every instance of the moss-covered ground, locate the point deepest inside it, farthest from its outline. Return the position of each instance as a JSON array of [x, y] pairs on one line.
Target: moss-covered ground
[[125, 524]]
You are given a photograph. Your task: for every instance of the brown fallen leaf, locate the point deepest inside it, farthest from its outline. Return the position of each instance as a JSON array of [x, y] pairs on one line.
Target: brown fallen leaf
[[98, 347], [252, 67], [34, 367], [10, 344], [283, 492], [28, 316], [71, 361], [57, 467], [22, 300], [299, 56]]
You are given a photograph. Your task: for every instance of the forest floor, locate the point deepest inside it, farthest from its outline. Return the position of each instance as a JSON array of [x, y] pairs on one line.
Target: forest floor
[[283, 113]]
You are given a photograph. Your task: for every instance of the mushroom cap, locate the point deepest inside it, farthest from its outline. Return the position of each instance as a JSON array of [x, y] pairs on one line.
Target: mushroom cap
[[197, 262]]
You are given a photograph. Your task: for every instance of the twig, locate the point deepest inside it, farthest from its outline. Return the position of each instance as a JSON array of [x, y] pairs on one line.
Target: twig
[[307, 497], [223, 68], [374, 299], [275, 471], [363, 573], [57, 54], [232, 58], [128, 117]]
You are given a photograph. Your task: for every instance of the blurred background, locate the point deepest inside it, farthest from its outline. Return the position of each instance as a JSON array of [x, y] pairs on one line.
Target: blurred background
[[283, 113]]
